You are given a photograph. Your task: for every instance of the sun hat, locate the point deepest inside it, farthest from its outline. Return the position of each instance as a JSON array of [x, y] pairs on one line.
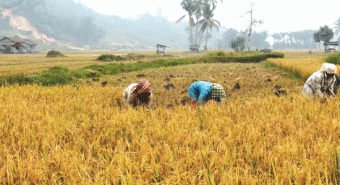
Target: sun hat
[[328, 68]]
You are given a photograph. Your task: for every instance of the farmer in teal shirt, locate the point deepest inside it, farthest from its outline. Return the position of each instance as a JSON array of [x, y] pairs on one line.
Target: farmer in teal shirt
[[200, 92]]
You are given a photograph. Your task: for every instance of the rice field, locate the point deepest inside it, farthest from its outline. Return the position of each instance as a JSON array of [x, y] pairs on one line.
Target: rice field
[[301, 66], [32, 63], [83, 134]]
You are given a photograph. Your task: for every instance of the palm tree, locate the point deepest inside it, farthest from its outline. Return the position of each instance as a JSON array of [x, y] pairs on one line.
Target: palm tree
[[208, 22], [190, 7]]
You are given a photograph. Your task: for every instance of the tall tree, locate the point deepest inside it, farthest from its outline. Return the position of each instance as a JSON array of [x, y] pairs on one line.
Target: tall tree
[[252, 23], [337, 26], [208, 22], [259, 40], [194, 9], [229, 35], [238, 44], [190, 7], [324, 34]]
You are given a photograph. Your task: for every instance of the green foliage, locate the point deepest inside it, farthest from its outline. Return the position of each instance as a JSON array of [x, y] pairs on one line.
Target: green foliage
[[80, 73], [333, 58], [60, 75], [54, 53], [243, 57], [110, 57], [238, 44], [324, 34], [20, 79], [134, 56]]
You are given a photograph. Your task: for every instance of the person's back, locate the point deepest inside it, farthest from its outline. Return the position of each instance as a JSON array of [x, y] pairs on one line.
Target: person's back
[[199, 91]]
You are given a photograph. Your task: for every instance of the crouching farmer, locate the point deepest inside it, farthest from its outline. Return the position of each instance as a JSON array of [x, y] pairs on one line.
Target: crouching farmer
[[321, 83], [201, 92], [138, 94]]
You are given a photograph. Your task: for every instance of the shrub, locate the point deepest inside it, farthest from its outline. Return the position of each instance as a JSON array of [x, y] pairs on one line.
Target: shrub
[[109, 57], [54, 53], [58, 75], [20, 79], [134, 56], [333, 58], [220, 54], [80, 73], [59, 69]]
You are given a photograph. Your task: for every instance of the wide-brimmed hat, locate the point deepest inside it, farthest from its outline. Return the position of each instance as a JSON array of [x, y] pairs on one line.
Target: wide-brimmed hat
[[217, 91], [328, 68]]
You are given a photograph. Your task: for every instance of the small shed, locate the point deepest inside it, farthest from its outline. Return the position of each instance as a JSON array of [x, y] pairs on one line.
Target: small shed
[[15, 45], [161, 49], [328, 47]]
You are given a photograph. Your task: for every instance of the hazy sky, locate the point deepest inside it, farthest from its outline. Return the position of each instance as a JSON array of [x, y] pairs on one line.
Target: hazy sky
[[278, 16]]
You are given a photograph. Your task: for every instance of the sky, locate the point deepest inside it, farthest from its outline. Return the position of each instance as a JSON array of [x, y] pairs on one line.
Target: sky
[[278, 15]]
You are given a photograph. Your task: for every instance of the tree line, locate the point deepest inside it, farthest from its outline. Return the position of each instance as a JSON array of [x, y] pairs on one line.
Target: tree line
[[200, 13]]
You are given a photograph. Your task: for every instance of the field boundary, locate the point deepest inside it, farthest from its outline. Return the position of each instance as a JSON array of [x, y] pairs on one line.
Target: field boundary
[[60, 75]]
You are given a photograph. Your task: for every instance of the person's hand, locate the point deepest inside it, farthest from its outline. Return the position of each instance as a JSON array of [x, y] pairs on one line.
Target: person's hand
[[193, 104]]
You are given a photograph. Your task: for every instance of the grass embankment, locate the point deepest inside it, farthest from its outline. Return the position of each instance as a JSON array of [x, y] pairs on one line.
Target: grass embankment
[[60, 75]]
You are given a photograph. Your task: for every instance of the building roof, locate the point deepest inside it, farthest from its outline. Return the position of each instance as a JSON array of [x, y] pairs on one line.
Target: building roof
[[331, 43], [162, 46], [19, 40], [7, 44]]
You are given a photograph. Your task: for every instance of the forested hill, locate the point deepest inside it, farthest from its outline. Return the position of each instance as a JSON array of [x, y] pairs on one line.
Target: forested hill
[[65, 24]]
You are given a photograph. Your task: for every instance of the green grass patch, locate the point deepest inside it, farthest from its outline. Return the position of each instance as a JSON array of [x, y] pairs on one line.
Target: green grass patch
[[110, 57], [60, 75], [333, 58], [289, 74]]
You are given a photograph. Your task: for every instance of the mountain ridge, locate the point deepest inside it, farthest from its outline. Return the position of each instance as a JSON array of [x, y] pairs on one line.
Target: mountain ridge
[[54, 24]]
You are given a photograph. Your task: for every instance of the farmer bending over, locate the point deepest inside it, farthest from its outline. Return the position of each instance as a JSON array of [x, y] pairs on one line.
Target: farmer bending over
[[138, 94], [321, 84], [201, 92]]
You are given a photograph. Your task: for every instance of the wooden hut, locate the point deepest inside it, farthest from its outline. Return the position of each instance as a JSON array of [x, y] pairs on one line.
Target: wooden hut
[[328, 48], [161, 49]]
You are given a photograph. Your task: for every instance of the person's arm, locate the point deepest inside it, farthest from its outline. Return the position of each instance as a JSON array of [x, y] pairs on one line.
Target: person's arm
[[193, 104], [125, 95], [316, 84], [218, 100], [133, 99], [149, 102]]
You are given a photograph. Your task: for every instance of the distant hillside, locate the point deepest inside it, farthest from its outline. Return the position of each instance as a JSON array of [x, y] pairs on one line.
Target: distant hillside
[[64, 24]]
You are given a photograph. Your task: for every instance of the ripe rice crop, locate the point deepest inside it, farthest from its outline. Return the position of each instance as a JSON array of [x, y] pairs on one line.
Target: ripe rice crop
[[83, 134], [301, 63], [302, 67]]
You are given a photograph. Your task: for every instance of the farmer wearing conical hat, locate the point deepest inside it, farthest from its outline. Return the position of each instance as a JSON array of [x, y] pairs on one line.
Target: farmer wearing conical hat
[[322, 83], [138, 94], [201, 92]]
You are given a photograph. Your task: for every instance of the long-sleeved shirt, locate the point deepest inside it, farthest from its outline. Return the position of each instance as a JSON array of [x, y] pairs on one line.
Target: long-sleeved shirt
[[318, 84], [201, 92]]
